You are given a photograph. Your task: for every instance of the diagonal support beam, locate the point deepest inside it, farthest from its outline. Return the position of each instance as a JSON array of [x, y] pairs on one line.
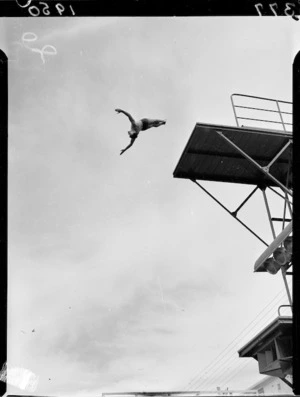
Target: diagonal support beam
[[272, 247], [287, 382], [229, 212], [234, 213], [262, 169], [278, 194], [282, 150]]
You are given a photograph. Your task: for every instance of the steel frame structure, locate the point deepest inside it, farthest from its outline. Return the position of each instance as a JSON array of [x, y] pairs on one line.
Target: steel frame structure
[[287, 196], [266, 171]]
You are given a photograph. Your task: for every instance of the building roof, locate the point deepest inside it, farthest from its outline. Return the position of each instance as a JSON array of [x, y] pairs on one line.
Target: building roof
[[266, 381], [207, 156]]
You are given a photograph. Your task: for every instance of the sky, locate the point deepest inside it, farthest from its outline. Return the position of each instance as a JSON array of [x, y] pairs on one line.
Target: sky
[[121, 277]]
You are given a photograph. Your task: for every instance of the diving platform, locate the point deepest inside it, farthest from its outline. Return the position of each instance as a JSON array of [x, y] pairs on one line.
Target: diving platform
[[242, 155]]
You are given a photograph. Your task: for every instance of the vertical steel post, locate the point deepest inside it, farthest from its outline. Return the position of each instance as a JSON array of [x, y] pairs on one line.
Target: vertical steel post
[[284, 214], [288, 204], [233, 107], [268, 212], [283, 271], [279, 111]]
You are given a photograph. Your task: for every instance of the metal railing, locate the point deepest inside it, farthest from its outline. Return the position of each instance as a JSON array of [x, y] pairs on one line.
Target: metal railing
[[274, 108], [281, 306]]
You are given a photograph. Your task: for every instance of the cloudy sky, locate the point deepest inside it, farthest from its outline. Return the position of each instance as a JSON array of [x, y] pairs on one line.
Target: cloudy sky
[[131, 279]]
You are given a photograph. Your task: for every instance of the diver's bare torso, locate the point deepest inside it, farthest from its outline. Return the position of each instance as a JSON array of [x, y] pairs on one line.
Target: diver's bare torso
[[136, 128]]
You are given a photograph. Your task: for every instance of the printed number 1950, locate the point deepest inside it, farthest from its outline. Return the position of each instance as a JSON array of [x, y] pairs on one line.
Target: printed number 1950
[[43, 8], [289, 9]]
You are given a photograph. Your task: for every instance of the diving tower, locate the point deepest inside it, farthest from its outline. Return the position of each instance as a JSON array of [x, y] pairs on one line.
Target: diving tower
[[256, 152]]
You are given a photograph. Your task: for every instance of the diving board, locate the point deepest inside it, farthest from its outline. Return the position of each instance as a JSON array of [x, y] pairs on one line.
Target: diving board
[[217, 153]]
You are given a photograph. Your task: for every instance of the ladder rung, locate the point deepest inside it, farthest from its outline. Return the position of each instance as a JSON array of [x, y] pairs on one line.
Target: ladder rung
[[281, 220]]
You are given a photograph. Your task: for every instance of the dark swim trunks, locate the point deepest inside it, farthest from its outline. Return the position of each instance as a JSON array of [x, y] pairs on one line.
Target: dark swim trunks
[[145, 124], [133, 135]]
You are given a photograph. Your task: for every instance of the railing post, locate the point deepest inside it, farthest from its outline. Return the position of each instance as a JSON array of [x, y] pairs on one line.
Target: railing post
[[233, 107], [280, 116]]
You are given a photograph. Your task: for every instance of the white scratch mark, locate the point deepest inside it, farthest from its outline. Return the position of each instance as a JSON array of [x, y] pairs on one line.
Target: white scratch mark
[[22, 378], [161, 293]]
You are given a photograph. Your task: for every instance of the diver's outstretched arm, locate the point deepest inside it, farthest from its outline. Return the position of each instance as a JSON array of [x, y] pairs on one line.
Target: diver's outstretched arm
[[127, 147], [126, 114]]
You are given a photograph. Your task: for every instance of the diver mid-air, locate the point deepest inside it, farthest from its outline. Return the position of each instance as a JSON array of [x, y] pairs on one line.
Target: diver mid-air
[[138, 126]]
